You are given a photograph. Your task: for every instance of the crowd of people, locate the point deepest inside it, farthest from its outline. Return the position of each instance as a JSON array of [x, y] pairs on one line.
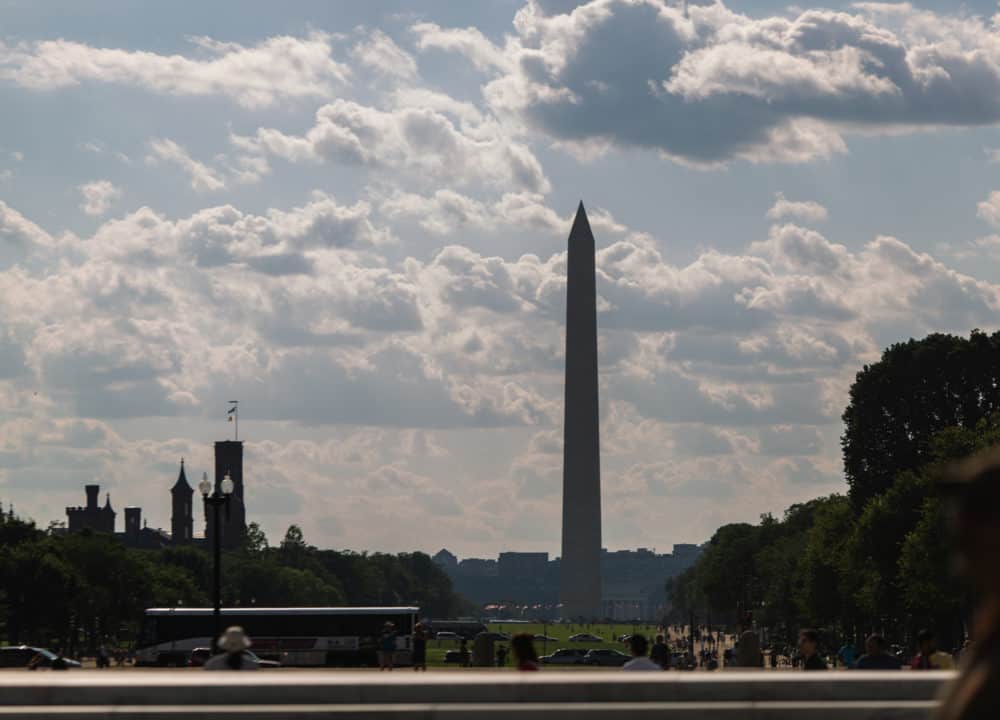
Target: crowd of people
[[744, 653]]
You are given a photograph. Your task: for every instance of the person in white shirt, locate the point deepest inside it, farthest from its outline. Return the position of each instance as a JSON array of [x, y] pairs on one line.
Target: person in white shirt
[[639, 662]]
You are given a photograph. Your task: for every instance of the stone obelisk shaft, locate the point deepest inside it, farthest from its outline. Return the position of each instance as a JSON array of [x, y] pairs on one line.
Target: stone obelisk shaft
[[580, 567]]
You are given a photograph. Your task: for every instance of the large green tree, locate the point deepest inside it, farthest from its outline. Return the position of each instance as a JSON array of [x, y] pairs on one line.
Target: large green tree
[[822, 598], [918, 389]]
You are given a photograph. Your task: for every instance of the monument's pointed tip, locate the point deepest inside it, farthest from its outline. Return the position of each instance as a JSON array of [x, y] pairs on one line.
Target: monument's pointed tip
[[581, 224]]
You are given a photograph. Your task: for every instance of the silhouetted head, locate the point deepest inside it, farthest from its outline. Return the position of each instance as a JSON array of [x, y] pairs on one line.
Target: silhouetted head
[[638, 645], [925, 642], [808, 642], [523, 647], [875, 645], [971, 495], [659, 638]]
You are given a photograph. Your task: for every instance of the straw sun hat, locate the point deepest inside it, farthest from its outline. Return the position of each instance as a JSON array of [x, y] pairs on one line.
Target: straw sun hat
[[234, 640]]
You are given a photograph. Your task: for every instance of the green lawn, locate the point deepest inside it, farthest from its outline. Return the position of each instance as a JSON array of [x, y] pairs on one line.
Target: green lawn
[[436, 649]]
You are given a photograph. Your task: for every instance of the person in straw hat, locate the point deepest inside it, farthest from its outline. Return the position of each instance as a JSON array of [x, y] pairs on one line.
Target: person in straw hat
[[234, 644]]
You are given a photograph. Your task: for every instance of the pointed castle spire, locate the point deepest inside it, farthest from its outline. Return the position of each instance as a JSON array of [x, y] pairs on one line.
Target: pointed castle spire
[[182, 513], [182, 482]]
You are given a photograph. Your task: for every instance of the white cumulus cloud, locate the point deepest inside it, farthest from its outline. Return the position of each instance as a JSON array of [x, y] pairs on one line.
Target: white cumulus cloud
[[202, 177], [98, 196], [254, 76], [802, 209], [381, 53], [421, 140]]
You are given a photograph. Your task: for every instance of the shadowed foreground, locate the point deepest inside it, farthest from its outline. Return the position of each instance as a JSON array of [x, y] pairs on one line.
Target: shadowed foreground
[[729, 695]]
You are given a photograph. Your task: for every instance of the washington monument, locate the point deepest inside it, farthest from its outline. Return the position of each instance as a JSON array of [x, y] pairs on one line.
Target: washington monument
[[580, 567]]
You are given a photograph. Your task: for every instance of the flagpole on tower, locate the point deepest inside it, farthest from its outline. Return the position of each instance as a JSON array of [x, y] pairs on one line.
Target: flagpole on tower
[[234, 417]]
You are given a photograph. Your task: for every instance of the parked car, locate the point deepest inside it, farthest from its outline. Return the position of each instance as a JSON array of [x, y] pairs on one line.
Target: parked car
[[19, 656], [457, 657], [585, 637], [495, 636], [544, 638], [200, 656], [565, 656], [446, 635], [606, 658]]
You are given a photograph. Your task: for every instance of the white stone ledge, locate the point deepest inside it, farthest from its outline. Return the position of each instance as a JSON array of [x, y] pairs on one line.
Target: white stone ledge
[[482, 695]]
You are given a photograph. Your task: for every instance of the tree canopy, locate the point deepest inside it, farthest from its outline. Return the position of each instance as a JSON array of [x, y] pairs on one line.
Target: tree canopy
[[823, 564], [917, 389], [877, 559]]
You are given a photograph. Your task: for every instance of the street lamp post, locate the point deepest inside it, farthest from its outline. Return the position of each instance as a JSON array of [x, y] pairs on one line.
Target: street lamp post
[[216, 499]]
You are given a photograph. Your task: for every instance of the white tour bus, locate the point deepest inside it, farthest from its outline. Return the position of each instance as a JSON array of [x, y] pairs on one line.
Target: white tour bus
[[341, 636]]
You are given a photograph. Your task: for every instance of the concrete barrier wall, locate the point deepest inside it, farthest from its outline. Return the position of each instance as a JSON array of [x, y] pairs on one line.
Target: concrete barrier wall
[[481, 695]]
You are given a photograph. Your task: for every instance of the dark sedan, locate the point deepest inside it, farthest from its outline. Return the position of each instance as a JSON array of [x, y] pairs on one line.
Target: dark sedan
[[565, 656], [457, 657], [606, 658]]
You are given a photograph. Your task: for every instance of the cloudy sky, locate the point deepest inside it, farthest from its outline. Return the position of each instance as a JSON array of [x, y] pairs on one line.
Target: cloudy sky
[[352, 217]]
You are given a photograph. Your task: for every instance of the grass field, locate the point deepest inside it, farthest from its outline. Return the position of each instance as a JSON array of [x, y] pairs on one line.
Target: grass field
[[609, 633]]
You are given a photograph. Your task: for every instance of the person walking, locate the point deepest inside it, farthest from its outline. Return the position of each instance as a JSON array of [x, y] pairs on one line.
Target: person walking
[[502, 656], [809, 650], [639, 662], [102, 656], [234, 644], [420, 647], [523, 647], [387, 647]]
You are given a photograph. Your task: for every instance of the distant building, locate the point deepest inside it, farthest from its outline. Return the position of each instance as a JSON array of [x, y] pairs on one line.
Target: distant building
[[526, 585], [634, 581], [137, 535], [475, 567], [98, 519], [687, 552], [228, 460], [522, 566], [102, 520], [182, 515], [446, 561]]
